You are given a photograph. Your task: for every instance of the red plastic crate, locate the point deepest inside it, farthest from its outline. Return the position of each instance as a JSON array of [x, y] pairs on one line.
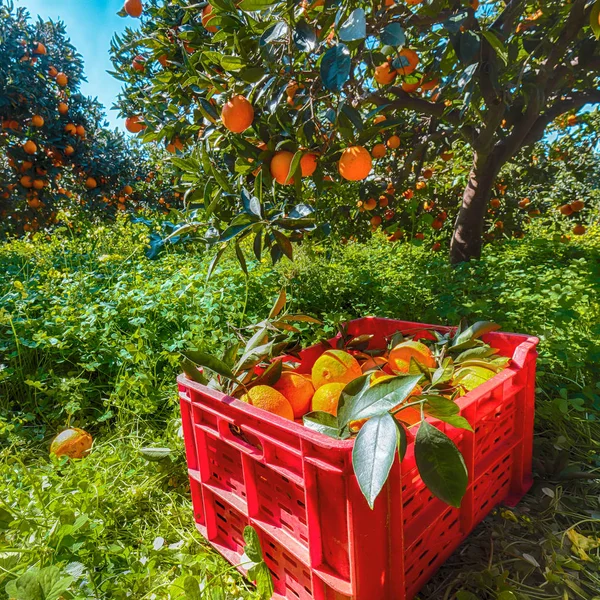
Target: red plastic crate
[[296, 487]]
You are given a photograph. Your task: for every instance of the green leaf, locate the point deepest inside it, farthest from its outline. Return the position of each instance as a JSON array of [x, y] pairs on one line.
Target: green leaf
[[284, 244], [234, 230], [401, 440], [497, 45], [473, 332], [322, 422], [6, 518], [275, 33], [221, 179], [443, 374], [373, 454], [252, 549], [190, 369], [270, 375], [232, 63], [393, 35], [304, 37], [440, 465], [39, 584], [335, 67], [210, 362], [438, 406], [191, 587], [473, 353], [241, 259], [264, 582], [213, 262], [255, 5], [457, 421], [374, 400], [354, 27], [155, 454], [294, 166]]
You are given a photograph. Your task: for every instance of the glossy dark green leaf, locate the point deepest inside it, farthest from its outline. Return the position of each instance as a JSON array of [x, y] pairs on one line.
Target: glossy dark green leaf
[[270, 375], [335, 67], [284, 244], [353, 116], [257, 244], [304, 37], [210, 362], [374, 453], [354, 27], [322, 422], [393, 35], [374, 400], [440, 465], [213, 263], [191, 370], [234, 230], [473, 332], [239, 253], [275, 33], [255, 5]]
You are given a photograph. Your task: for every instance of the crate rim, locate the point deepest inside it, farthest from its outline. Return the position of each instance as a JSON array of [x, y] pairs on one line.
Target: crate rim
[[324, 441]]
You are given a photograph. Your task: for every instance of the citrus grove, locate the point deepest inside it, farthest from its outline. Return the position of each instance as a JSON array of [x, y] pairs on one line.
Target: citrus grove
[[56, 152], [410, 112]]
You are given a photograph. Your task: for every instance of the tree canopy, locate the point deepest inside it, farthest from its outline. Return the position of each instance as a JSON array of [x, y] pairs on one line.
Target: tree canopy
[[284, 103]]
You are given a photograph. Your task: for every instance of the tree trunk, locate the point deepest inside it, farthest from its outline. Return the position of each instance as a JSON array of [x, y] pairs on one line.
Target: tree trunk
[[468, 229]]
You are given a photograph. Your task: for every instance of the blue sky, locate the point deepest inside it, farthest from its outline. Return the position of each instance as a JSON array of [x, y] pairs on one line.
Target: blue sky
[[90, 25]]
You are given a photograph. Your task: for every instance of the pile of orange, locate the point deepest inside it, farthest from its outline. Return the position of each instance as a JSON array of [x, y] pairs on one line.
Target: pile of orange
[[295, 394]]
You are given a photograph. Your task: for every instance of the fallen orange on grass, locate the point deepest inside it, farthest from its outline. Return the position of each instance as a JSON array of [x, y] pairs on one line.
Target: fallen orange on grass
[[72, 442]]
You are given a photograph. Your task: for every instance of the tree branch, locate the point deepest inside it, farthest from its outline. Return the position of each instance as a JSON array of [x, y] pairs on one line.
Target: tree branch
[[573, 102], [575, 21], [505, 21], [424, 107]]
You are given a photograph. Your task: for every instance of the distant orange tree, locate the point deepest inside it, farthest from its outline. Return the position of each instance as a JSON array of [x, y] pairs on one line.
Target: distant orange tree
[[416, 109], [55, 148]]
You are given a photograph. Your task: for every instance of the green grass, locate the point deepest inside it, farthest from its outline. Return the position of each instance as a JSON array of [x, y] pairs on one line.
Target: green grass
[[89, 331]]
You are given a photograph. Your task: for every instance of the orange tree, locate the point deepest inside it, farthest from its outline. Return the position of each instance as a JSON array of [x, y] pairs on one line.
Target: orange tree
[[55, 148], [287, 103]]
